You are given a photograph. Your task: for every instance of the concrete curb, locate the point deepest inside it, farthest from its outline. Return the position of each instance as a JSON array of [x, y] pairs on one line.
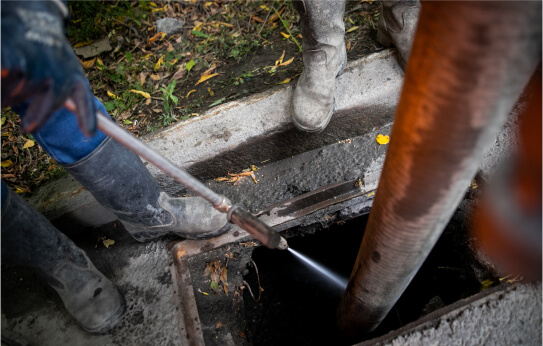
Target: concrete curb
[[505, 315]]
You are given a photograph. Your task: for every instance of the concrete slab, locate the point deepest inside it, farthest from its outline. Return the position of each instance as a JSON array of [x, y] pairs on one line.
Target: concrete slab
[[505, 315]]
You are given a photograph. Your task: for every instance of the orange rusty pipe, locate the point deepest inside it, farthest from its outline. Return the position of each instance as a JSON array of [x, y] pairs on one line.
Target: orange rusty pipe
[[468, 66]]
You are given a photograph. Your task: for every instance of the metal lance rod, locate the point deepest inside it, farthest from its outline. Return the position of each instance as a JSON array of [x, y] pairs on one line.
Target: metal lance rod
[[235, 214], [469, 63]]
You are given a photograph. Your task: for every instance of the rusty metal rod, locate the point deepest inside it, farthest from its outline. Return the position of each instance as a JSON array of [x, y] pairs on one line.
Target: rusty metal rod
[[468, 66], [235, 214]]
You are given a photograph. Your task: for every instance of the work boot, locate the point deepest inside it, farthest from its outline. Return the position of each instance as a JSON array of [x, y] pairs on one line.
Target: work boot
[[118, 179], [29, 239], [397, 26], [324, 57]]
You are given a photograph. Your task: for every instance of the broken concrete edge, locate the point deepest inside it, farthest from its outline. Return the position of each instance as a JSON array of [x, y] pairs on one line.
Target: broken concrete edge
[[373, 80], [447, 314]]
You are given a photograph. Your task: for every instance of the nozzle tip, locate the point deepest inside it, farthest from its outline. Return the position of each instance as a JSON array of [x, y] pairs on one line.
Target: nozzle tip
[[283, 245]]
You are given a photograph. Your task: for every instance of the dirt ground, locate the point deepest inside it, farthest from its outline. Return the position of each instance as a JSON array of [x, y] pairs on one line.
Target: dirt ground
[[243, 45]]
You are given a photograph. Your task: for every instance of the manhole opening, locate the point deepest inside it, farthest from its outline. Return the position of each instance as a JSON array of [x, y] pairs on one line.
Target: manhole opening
[[298, 306]]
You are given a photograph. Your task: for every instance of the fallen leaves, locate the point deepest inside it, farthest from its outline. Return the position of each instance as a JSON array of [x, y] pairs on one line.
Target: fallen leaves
[[287, 80], [204, 78], [88, 63], [29, 144], [107, 242], [160, 35], [218, 275], [236, 177], [142, 93], [382, 140]]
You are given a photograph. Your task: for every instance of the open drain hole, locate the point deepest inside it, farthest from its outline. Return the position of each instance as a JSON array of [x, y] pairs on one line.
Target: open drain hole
[[298, 305]]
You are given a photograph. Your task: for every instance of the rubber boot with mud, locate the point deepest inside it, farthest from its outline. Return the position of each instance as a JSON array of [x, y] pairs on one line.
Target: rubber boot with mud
[[324, 57], [118, 179], [29, 239], [397, 26]]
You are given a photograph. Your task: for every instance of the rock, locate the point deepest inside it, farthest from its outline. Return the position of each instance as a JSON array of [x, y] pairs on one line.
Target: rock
[[169, 26], [94, 49]]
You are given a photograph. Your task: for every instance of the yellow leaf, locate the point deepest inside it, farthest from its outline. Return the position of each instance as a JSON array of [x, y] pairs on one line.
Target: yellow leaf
[[285, 81], [88, 63], [153, 4], [211, 93], [29, 144], [6, 163], [20, 190], [254, 168], [100, 63], [112, 95], [286, 62], [3, 121], [77, 21], [190, 92], [81, 44], [142, 93], [351, 29], [285, 35], [277, 62], [382, 139], [108, 242], [204, 78], [159, 62], [370, 194], [147, 56]]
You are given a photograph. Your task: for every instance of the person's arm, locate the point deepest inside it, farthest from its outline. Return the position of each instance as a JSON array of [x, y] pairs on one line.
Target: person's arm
[[39, 65]]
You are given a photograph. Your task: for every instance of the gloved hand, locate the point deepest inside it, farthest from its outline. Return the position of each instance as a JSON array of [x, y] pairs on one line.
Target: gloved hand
[[39, 65]]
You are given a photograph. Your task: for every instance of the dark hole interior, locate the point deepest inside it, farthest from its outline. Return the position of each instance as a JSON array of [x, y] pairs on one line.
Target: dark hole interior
[[298, 306]]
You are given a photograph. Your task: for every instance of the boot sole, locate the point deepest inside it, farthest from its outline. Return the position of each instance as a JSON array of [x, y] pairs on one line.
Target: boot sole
[[329, 116]]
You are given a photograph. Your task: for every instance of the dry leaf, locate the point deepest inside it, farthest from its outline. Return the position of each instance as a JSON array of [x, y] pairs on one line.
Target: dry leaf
[[148, 102], [142, 93], [108, 242], [208, 71], [351, 29], [142, 78], [154, 77], [382, 139], [159, 62], [286, 62], [112, 95], [257, 19], [211, 93], [100, 63], [280, 60], [88, 63], [254, 178], [29, 144], [285, 81], [190, 92], [224, 276], [219, 325], [6, 163], [81, 44], [285, 35], [204, 78], [154, 38], [221, 179], [243, 174], [170, 47]]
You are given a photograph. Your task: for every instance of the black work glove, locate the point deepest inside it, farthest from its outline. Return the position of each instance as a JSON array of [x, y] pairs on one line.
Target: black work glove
[[39, 64]]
